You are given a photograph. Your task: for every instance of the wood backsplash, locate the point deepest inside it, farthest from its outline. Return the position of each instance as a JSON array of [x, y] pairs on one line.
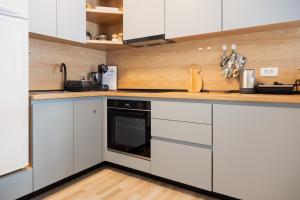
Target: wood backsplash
[[45, 58], [167, 66]]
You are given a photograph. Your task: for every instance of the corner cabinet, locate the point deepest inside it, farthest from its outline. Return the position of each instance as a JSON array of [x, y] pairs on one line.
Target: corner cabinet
[[66, 138], [143, 18], [248, 13], [192, 17], [256, 152], [65, 19], [87, 133]]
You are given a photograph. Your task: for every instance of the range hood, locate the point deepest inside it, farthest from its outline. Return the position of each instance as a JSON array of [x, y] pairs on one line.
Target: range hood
[[148, 41]]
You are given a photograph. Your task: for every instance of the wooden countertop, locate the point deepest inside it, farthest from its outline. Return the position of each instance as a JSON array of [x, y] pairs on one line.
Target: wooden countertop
[[214, 96]]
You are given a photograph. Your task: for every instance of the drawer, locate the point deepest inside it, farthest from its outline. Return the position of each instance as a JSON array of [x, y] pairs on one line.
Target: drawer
[[182, 111], [182, 131], [182, 163]]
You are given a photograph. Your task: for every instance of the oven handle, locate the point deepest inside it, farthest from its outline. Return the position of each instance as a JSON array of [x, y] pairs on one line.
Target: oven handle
[[128, 109]]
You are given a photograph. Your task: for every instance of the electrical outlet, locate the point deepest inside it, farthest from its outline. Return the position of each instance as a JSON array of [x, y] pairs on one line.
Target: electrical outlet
[[269, 71]]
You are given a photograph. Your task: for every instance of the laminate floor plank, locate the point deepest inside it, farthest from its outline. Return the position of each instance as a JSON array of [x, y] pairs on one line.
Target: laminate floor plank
[[113, 184]]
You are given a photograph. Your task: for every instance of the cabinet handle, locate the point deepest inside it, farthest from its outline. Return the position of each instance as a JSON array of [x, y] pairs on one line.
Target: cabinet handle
[[94, 111]]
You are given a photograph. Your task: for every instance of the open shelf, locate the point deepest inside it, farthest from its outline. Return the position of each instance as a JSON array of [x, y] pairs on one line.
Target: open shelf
[[105, 45], [104, 42], [104, 18]]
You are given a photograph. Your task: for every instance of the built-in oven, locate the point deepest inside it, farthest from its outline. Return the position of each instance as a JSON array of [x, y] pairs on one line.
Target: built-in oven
[[129, 127]]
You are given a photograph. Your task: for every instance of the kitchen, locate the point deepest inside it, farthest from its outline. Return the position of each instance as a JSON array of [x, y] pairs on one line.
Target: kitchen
[[160, 99]]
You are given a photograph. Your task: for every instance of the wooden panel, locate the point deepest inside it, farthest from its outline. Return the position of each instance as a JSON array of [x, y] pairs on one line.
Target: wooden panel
[[46, 57], [186, 164], [182, 111], [108, 3], [182, 131], [111, 183], [104, 18], [167, 66], [254, 148], [216, 96]]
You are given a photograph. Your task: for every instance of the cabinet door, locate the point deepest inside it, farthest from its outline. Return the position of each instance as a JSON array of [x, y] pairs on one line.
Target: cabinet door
[[52, 142], [71, 20], [87, 133], [42, 17], [186, 164], [143, 18], [256, 152], [247, 13], [192, 17]]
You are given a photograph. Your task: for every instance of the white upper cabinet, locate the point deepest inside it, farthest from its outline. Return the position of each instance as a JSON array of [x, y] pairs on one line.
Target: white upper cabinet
[[71, 20], [192, 17], [65, 19], [42, 17], [248, 13], [143, 18]]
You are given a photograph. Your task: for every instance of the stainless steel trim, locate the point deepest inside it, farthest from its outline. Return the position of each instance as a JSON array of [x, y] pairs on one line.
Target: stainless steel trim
[[129, 109], [129, 154]]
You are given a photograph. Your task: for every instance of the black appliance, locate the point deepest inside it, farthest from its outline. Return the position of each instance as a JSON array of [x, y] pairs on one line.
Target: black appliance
[[129, 127], [96, 78], [279, 88], [148, 41], [74, 85]]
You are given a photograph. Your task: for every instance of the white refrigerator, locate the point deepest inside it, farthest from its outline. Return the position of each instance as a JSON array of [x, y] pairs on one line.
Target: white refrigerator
[[14, 105]]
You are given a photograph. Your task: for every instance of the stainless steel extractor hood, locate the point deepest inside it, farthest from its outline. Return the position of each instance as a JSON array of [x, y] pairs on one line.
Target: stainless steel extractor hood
[[148, 41]]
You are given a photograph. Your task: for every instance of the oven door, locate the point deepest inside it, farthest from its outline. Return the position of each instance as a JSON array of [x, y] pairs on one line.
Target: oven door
[[129, 131]]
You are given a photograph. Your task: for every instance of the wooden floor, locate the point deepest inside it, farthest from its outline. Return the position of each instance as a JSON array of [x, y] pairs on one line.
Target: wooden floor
[[114, 184]]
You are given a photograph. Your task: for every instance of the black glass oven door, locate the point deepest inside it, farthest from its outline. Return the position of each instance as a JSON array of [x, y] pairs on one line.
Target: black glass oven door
[[129, 131]]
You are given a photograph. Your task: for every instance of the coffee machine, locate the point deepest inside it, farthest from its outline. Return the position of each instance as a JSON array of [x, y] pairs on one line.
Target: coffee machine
[[96, 78]]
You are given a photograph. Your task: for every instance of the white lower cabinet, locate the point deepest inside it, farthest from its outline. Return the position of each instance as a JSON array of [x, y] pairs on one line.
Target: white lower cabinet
[[87, 133], [191, 165], [256, 152], [52, 135], [66, 138]]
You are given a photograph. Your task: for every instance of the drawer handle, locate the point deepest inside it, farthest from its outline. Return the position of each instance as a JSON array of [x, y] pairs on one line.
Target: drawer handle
[[94, 111]]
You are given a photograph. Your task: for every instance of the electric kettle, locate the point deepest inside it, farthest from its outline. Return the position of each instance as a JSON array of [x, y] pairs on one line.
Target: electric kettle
[[248, 81]]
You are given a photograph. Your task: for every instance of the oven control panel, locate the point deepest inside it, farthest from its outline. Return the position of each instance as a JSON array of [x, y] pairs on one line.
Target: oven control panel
[[129, 104]]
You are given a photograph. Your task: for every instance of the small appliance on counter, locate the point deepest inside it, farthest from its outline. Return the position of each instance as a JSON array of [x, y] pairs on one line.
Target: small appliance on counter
[[279, 88], [97, 78], [74, 85], [248, 81]]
